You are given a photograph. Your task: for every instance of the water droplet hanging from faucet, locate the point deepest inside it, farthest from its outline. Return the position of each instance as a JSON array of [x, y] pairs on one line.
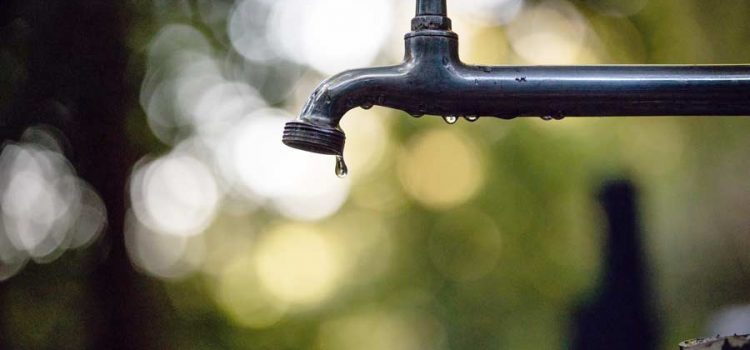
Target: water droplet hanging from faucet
[[547, 118], [341, 169], [450, 119], [471, 118], [367, 105]]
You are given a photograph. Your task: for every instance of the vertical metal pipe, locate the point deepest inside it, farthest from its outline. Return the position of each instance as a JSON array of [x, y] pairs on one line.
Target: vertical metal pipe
[[432, 8]]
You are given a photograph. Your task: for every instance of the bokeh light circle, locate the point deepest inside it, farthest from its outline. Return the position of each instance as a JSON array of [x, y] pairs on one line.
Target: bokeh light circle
[[330, 35], [162, 255], [441, 169], [299, 185], [241, 296], [552, 32], [39, 198], [297, 264], [176, 195]]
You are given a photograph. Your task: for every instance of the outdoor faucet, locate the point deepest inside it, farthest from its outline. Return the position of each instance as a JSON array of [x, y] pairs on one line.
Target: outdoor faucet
[[432, 80]]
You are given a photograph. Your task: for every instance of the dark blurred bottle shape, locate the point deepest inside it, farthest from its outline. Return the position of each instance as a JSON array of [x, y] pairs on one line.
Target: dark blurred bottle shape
[[620, 313]]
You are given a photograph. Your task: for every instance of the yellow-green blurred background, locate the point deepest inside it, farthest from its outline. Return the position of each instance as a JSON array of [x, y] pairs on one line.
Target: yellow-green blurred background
[[148, 203]]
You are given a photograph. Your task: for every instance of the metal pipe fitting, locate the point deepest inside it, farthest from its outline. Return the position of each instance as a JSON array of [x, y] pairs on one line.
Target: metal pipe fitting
[[432, 80], [432, 8]]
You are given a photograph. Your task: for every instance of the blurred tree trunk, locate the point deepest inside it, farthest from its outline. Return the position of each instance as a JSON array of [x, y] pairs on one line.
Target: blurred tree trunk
[[92, 44], [76, 60]]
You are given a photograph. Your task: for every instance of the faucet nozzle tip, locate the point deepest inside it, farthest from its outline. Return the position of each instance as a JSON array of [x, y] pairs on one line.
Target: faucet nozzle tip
[[314, 138]]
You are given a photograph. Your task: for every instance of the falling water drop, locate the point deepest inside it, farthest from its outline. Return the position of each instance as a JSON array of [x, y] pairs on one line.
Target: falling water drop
[[450, 119], [367, 105], [471, 118], [341, 169]]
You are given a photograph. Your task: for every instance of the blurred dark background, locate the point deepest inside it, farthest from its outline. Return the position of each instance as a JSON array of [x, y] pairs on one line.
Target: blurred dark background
[[146, 201]]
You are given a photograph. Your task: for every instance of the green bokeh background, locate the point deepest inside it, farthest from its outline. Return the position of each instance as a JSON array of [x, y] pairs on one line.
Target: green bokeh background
[[540, 181]]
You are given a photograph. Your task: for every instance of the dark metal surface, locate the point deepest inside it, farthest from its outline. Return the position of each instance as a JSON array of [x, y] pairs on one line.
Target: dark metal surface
[[432, 7], [432, 80]]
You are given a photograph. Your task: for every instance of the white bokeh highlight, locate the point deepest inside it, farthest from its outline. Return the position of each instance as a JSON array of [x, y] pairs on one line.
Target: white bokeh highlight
[[45, 209], [330, 35], [299, 185], [175, 195]]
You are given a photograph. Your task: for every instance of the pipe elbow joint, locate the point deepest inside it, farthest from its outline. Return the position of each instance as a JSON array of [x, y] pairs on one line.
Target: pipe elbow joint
[[317, 128]]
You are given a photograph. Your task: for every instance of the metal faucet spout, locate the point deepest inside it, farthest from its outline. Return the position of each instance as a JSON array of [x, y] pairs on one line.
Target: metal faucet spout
[[317, 129], [433, 80]]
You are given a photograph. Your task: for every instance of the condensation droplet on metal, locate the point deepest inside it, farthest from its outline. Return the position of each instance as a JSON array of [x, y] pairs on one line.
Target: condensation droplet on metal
[[341, 169], [450, 119]]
